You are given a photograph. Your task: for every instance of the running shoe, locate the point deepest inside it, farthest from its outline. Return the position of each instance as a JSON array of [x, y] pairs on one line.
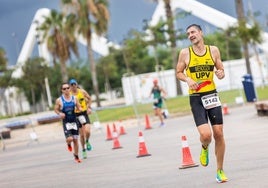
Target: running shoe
[[204, 159], [84, 154], [76, 158], [164, 115], [221, 177], [69, 147], [162, 124], [89, 147]]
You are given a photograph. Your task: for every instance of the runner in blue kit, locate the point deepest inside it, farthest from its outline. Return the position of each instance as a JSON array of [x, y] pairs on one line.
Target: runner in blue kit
[[65, 107]]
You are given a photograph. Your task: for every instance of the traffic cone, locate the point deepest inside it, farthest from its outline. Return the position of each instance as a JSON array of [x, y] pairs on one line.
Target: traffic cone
[[122, 130], [114, 128], [147, 122], [187, 161], [225, 110], [108, 133], [142, 147], [116, 141]]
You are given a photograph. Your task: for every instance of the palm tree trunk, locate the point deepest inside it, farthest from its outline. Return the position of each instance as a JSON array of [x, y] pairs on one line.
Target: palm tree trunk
[[242, 23], [64, 74]]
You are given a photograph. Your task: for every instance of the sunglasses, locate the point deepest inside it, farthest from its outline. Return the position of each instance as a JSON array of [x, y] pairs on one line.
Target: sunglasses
[[64, 88], [73, 84]]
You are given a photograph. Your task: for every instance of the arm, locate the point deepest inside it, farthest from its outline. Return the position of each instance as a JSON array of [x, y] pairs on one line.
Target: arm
[[57, 108], [218, 63], [77, 105], [88, 100], [164, 92], [181, 66]]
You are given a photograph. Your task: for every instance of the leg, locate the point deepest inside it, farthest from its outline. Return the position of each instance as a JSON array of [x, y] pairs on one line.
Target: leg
[[205, 139], [82, 136], [76, 146], [219, 152], [205, 134], [87, 131], [159, 114], [69, 140], [219, 145], [87, 136]]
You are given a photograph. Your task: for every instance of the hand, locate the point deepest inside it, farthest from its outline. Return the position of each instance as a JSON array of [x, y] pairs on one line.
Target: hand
[[89, 110], [192, 84], [62, 115], [220, 73]]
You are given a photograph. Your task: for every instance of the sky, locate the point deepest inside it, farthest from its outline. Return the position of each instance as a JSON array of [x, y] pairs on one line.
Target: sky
[[16, 17]]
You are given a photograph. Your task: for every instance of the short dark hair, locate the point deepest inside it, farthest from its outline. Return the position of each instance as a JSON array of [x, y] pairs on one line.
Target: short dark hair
[[64, 83], [194, 25]]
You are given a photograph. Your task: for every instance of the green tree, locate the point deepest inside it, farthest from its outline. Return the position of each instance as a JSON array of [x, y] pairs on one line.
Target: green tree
[[32, 82], [230, 48], [3, 60], [108, 70], [91, 16], [58, 37], [135, 53]]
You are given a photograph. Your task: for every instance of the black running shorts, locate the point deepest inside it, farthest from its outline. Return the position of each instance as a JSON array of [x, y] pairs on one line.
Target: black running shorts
[[202, 115]]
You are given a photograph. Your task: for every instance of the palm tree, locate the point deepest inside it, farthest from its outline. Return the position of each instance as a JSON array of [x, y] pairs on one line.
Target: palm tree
[[58, 42], [91, 15], [242, 30], [247, 34]]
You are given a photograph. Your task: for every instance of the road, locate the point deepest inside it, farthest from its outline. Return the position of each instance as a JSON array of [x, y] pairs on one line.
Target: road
[[48, 164]]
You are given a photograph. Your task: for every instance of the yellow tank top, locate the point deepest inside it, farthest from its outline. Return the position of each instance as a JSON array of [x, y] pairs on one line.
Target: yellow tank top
[[81, 99], [201, 70]]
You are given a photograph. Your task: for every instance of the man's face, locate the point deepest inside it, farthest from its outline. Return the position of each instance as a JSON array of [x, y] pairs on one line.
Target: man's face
[[65, 88], [73, 86], [194, 35]]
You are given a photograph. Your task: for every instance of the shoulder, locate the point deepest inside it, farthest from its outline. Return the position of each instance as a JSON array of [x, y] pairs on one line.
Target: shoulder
[[184, 52], [215, 54], [184, 55], [58, 100], [84, 92], [214, 49], [183, 59]]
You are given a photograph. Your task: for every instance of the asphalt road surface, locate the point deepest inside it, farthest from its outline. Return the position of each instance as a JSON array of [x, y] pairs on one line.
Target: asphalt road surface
[[48, 164]]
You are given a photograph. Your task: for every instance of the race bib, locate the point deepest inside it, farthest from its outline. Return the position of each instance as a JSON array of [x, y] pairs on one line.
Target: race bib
[[211, 101], [82, 119], [71, 126], [155, 100]]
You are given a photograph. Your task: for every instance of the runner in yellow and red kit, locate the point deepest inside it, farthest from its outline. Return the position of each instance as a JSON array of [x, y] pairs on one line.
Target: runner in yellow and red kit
[[197, 66], [82, 116]]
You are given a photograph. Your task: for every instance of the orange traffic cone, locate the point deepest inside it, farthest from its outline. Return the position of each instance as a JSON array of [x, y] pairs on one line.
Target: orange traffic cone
[[109, 134], [142, 147], [187, 161], [116, 141], [147, 122], [122, 130], [114, 128], [225, 110]]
